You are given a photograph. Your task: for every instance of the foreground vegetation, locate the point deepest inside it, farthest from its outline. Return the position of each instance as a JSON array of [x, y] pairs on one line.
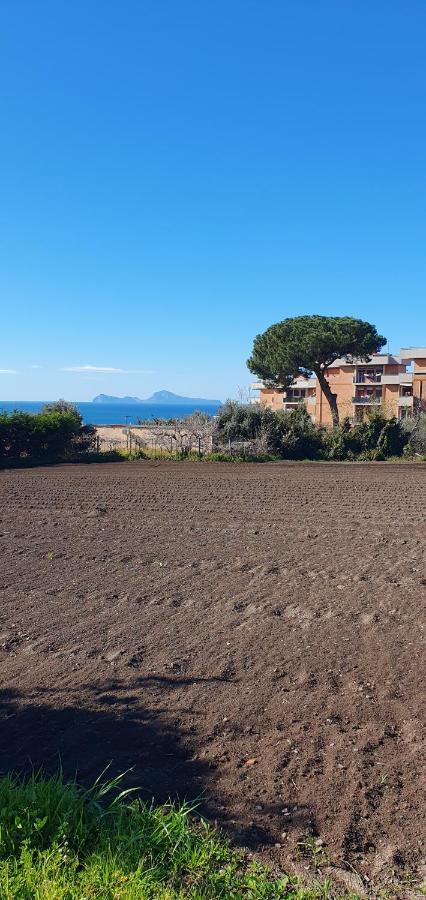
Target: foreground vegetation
[[59, 842], [240, 433], [293, 435], [56, 433]]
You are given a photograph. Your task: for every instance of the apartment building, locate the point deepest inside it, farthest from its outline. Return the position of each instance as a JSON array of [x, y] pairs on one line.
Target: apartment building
[[395, 384]]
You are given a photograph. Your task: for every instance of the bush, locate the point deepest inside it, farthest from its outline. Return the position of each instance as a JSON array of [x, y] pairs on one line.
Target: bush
[[378, 437], [341, 443], [293, 435], [374, 439], [290, 435], [249, 432], [392, 440], [62, 406], [415, 431], [252, 423], [300, 438], [54, 434]]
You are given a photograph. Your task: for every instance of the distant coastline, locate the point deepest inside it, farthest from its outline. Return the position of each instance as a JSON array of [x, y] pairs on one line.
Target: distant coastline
[[168, 398]]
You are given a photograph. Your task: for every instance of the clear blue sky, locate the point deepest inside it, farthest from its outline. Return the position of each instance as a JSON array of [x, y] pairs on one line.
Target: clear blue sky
[[177, 176]]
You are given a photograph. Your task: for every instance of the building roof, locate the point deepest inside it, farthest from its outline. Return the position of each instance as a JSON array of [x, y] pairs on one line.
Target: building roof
[[377, 359], [408, 353]]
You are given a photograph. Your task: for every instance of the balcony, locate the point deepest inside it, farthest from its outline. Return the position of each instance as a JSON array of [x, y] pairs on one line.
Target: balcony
[[304, 383], [401, 378], [367, 379], [367, 401], [405, 401]]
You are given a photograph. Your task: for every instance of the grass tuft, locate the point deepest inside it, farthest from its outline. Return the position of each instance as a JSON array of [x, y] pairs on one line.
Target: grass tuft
[[60, 842]]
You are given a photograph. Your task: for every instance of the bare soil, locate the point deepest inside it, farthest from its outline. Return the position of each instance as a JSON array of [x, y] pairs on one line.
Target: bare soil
[[248, 634]]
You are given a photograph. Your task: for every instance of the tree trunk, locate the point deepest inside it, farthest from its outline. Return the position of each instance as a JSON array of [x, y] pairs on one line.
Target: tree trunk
[[330, 397]]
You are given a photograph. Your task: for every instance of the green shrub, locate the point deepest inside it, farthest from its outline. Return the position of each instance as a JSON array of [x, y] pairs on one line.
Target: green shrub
[[52, 435], [377, 438], [392, 439], [290, 435], [293, 435], [341, 443], [415, 430], [247, 422], [299, 437]]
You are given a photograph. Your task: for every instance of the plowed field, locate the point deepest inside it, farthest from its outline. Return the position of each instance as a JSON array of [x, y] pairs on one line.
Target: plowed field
[[250, 634]]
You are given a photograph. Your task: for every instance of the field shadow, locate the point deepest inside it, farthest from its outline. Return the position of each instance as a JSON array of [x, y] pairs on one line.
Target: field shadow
[[83, 741], [109, 727]]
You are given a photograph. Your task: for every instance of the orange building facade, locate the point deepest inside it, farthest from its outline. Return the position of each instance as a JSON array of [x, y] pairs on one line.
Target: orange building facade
[[394, 384]]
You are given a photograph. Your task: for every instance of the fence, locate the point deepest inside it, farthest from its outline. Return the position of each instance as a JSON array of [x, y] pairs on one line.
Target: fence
[[156, 440], [169, 442]]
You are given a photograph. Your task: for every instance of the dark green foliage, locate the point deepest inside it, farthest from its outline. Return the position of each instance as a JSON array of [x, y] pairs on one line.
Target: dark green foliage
[[368, 432], [289, 435], [376, 438], [341, 443], [62, 406], [244, 431], [392, 439], [53, 435], [241, 422], [300, 438], [415, 430], [306, 344], [293, 435]]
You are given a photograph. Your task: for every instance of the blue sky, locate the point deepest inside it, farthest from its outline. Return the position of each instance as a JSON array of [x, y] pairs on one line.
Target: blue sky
[[177, 176]]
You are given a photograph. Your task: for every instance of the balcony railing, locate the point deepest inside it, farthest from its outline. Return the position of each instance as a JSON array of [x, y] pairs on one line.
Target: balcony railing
[[364, 401], [367, 379]]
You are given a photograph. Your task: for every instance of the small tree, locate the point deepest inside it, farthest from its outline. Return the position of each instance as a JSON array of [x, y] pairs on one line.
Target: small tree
[[62, 407], [300, 438], [307, 344], [392, 439], [415, 429], [193, 432], [248, 423]]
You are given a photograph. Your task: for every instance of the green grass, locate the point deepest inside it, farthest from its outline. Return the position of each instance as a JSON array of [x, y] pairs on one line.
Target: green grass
[[148, 453], [176, 456], [59, 842]]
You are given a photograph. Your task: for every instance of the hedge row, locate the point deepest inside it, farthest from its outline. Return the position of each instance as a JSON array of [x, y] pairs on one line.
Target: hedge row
[[293, 435], [54, 434]]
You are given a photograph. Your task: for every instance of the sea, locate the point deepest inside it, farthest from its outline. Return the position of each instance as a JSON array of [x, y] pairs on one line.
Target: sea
[[117, 413]]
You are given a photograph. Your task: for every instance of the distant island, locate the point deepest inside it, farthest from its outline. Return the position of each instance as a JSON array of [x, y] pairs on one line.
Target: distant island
[[166, 397]]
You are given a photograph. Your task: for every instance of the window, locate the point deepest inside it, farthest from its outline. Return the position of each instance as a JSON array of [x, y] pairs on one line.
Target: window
[[367, 393], [296, 393], [370, 375]]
